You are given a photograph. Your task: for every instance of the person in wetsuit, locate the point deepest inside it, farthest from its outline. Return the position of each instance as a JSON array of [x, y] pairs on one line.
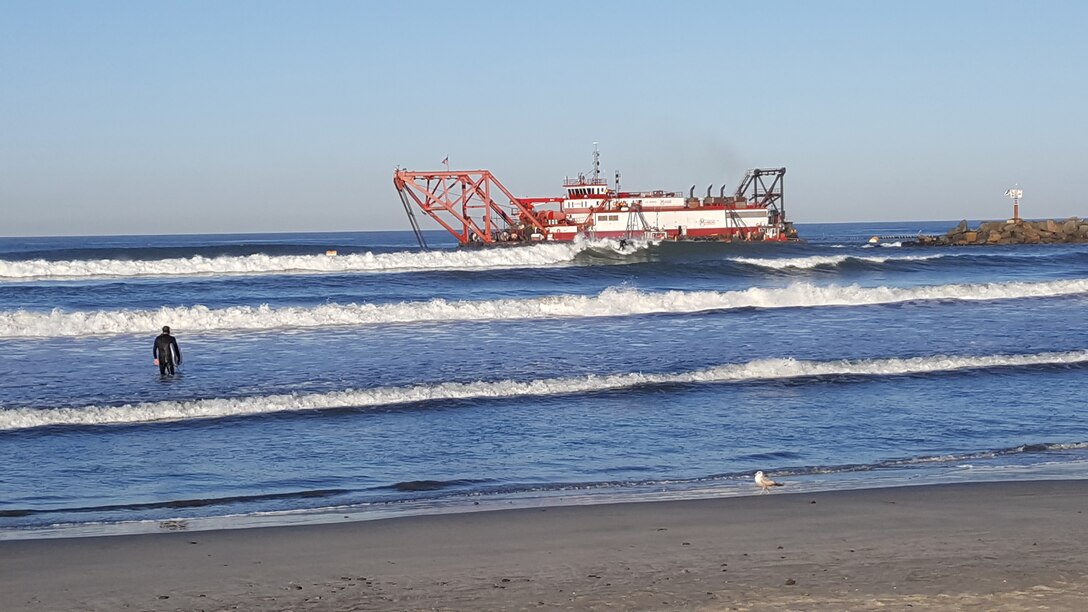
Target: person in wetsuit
[[166, 352]]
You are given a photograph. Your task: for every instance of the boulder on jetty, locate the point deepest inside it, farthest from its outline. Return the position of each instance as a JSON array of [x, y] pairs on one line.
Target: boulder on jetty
[[1013, 231]]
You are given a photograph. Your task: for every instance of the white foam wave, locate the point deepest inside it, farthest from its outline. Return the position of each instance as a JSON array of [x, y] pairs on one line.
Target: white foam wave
[[258, 264], [612, 302], [762, 369], [822, 260]]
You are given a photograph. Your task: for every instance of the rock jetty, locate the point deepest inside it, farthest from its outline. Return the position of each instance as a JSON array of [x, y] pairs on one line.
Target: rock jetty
[[1018, 231]]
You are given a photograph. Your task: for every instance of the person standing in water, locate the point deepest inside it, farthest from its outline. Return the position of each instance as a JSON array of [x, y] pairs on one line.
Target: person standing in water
[[166, 352]]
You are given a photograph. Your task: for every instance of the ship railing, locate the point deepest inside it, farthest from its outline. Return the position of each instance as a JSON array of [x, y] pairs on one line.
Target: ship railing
[[649, 194], [584, 182]]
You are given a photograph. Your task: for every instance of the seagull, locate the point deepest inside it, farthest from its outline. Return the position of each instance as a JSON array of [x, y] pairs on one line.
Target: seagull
[[765, 483]]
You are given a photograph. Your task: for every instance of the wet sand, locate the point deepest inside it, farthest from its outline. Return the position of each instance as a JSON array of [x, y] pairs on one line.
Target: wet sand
[[984, 546]]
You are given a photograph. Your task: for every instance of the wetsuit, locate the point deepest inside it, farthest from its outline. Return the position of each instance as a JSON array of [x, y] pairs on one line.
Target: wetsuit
[[167, 352]]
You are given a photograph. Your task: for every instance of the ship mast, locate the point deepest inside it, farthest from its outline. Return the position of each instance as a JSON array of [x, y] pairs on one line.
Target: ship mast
[[596, 163]]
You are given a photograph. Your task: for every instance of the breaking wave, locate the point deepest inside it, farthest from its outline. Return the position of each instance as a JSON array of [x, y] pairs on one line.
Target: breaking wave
[[258, 264], [761, 369], [823, 260], [612, 302]]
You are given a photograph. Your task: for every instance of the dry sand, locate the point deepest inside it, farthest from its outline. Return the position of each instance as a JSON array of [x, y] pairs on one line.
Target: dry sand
[[985, 546]]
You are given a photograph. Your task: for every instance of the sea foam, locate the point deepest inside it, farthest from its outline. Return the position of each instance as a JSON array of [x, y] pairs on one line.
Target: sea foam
[[779, 263], [612, 302], [259, 264], [761, 369]]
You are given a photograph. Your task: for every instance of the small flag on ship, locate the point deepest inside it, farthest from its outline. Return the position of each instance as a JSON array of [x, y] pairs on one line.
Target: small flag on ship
[[446, 162]]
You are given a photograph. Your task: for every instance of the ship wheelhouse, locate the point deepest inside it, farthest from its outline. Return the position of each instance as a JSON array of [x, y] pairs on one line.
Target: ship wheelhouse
[[585, 193]]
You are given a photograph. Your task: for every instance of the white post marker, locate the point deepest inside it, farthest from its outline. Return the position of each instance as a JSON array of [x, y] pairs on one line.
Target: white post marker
[[1015, 193]]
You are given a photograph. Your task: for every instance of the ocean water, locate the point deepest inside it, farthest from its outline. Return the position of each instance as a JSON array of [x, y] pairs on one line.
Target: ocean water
[[388, 380]]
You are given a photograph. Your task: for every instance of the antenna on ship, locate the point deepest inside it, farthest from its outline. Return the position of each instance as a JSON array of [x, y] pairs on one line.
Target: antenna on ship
[[596, 163]]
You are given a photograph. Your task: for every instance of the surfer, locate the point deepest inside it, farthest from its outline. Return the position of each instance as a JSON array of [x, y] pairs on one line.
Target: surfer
[[166, 352]]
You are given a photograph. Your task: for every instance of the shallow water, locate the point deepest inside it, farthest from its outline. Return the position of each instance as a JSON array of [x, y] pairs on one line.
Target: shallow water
[[389, 380]]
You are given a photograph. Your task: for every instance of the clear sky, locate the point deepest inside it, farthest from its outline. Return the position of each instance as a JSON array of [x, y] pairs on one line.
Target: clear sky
[[247, 116]]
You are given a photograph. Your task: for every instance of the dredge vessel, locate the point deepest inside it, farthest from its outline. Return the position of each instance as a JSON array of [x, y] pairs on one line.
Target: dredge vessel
[[478, 210]]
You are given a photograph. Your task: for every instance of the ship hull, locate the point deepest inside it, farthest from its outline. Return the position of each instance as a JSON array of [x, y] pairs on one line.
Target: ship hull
[[702, 223]]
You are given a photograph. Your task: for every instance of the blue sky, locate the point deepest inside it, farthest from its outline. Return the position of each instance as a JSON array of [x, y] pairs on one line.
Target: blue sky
[[179, 117]]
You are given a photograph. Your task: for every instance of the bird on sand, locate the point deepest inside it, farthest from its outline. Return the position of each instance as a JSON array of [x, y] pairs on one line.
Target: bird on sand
[[765, 483]]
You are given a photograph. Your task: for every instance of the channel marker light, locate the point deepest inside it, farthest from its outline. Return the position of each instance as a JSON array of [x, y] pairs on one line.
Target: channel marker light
[[1015, 193]]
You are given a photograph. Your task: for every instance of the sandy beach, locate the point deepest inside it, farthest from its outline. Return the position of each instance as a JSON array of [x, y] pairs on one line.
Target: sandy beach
[[979, 546]]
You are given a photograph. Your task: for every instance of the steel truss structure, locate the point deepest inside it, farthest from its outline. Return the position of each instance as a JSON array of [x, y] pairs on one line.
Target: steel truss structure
[[471, 204], [764, 187]]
